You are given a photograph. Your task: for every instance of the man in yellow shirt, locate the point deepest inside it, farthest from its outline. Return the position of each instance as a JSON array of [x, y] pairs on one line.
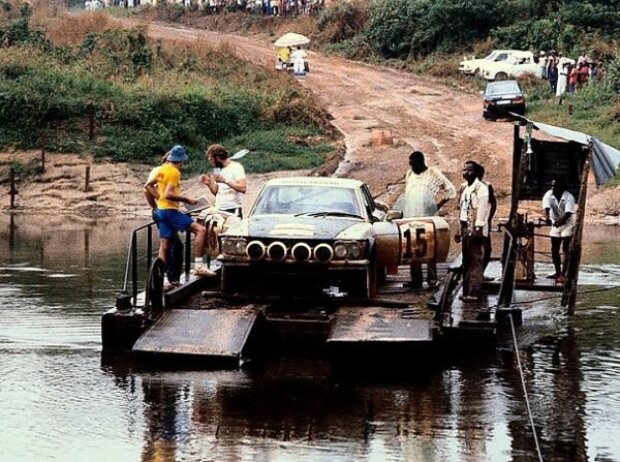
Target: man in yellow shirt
[[170, 219]]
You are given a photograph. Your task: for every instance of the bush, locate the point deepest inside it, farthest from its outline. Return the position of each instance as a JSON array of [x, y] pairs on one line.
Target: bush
[[400, 28], [146, 97], [342, 21]]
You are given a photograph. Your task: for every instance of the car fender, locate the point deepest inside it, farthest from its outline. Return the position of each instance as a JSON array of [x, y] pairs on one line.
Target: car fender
[[411, 240]]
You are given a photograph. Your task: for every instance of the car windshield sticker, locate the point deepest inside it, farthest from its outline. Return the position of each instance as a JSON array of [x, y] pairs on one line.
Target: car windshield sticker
[[293, 229]]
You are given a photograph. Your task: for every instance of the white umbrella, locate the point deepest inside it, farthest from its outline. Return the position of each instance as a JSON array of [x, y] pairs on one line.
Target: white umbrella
[[291, 40]]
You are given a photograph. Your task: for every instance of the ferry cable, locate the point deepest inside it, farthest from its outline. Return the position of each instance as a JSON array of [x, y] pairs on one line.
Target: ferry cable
[[553, 297], [527, 400]]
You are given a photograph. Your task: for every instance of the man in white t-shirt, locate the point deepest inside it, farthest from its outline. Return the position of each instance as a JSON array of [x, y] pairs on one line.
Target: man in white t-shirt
[[474, 212], [227, 182], [559, 207]]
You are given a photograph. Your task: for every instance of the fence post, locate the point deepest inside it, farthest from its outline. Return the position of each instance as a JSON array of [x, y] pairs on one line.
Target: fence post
[[13, 191], [87, 179]]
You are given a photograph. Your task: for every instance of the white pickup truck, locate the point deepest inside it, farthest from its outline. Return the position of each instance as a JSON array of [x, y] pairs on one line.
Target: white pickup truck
[[474, 65], [516, 65]]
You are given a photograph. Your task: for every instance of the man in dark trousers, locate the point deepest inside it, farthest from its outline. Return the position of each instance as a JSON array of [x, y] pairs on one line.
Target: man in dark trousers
[[474, 210], [488, 249]]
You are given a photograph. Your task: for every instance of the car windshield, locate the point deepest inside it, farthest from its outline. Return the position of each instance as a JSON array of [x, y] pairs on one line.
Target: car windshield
[[491, 56], [503, 88], [307, 200]]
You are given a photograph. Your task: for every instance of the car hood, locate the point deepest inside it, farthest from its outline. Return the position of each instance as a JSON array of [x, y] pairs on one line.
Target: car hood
[[289, 226], [473, 62]]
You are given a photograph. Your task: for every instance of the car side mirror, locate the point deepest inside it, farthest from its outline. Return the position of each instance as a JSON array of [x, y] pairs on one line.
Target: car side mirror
[[381, 206], [393, 215]]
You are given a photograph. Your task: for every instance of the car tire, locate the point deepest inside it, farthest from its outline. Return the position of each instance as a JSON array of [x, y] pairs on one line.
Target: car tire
[[476, 73], [501, 76]]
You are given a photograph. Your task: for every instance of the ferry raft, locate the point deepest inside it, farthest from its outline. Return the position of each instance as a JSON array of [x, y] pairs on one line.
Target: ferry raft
[[307, 268]]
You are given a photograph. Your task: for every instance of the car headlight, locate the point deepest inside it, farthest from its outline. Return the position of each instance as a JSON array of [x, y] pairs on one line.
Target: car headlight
[[234, 245], [351, 250]]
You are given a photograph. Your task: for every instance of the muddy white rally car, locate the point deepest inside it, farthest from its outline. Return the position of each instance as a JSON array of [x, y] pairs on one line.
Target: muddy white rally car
[[318, 234]]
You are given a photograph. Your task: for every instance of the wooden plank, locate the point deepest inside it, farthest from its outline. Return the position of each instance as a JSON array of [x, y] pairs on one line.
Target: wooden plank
[[379, 325], [218, 333]]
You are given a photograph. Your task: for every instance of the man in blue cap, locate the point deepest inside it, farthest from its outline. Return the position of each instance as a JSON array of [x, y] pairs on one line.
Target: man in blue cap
[[171, 220]]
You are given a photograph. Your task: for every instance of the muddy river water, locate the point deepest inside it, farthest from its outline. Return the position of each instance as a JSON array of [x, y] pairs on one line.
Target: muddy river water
[[61, 401]]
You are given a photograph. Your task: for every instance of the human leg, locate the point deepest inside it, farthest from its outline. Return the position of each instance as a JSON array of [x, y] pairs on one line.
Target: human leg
[[565, 254], [200, 269], [556, 242], [415, 270], [472, 279]]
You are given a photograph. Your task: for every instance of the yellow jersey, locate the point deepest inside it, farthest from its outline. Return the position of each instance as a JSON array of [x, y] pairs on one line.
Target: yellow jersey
[[284, 54], [168, 174]]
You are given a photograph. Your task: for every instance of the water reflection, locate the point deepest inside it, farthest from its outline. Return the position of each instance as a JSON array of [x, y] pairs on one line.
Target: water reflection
[[56, 278]]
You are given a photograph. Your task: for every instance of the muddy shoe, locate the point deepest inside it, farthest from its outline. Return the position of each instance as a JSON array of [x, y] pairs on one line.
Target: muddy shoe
[[203, 271]]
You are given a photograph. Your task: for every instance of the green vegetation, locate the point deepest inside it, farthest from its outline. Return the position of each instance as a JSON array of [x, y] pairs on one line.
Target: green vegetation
[[416, 28], [595, 107], [430, 36], [145, 97]]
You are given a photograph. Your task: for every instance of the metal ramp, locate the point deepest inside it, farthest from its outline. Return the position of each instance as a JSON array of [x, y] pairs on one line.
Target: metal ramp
[[379, 326], [216, 334]]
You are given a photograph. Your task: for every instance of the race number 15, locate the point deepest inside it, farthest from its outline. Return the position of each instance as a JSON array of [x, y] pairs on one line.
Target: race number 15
[[415, 244]]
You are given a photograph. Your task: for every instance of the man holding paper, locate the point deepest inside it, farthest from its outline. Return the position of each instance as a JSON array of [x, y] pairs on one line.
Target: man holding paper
[[227, 182]]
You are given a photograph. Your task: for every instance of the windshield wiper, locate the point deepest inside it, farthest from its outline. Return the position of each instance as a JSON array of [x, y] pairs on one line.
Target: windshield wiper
[[332, 213]]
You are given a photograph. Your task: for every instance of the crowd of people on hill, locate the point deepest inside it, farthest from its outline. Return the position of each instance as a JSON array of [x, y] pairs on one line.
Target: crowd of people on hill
[[567, 76], [261, 7]]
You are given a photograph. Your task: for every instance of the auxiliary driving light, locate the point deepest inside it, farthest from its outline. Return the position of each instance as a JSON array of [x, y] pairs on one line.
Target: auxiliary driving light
[[301, 251], [256, 250], [323, 253], [277, 251]]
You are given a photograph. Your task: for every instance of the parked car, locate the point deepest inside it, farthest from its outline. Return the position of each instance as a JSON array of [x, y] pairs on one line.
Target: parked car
[[501, 98], [472, 66], [323, 234], [516, 65]]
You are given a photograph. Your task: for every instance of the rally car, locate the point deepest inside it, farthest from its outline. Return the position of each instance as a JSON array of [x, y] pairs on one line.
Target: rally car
[[318, 234]]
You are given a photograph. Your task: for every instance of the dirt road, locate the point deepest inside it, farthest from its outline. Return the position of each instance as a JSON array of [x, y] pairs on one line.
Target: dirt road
[[422, 114]]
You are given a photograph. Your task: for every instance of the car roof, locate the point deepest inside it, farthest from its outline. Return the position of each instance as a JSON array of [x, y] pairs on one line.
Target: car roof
[[506, 86], [315, 181]]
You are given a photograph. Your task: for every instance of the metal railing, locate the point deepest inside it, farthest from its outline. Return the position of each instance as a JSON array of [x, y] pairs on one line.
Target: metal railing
[[134, 260]]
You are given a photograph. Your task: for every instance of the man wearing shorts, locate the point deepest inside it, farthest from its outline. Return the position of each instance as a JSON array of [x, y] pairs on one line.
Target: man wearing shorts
[[559, 208], [170, 219], [229, 184]]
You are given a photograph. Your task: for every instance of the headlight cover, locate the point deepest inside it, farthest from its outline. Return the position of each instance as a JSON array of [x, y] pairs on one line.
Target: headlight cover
[[234, 245], [350, 250]]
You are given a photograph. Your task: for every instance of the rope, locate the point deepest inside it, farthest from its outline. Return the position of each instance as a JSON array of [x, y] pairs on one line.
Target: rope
[[527, 400], [593, 291]]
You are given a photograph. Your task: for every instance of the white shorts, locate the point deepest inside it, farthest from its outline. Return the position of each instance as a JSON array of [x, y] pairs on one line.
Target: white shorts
[[562, 231]]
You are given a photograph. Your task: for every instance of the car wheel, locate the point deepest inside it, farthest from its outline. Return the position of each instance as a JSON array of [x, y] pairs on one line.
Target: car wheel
[[477, 72], [501, 76]]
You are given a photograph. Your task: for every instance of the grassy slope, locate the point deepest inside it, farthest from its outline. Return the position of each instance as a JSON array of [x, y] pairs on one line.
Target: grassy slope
[[148, 96]]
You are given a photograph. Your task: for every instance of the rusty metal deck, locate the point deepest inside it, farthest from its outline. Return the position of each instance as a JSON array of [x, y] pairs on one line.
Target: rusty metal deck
[[218, 333], [379, 325]]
